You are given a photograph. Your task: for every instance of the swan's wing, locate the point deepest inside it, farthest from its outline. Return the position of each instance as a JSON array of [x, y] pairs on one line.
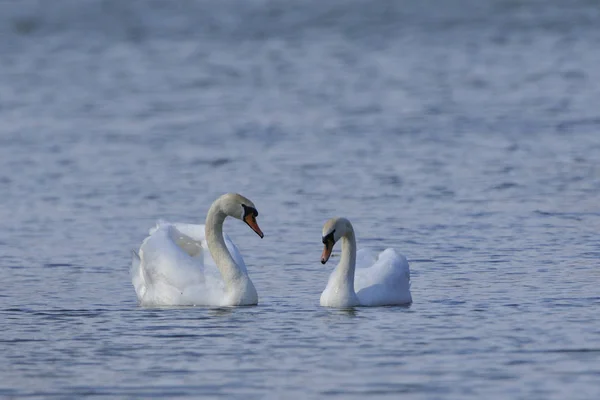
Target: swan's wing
[[196, 234], [390, 268], [194, 231], [165, 269], [190, 238], [396, 265], [365, 258], [386, 281], [137, 275], [211, 290]]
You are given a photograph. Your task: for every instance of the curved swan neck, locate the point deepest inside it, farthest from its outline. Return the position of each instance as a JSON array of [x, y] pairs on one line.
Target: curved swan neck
[[347, 263], [340, 287], [217, 247]]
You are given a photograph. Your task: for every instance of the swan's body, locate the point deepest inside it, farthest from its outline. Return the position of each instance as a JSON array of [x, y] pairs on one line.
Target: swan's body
[[360, 279], [186, 264]]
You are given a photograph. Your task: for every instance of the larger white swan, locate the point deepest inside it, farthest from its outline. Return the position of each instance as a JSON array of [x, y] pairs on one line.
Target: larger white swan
[[186, 264], [377, 282]]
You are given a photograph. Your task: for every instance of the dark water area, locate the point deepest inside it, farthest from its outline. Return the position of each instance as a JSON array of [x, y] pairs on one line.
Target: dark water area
[[465, 134]]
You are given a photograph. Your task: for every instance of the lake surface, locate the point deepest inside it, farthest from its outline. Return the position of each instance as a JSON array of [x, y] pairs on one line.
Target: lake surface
[[465, 134]]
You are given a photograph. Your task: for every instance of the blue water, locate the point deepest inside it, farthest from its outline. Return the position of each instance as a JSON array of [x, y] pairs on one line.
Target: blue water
[[465, 134]]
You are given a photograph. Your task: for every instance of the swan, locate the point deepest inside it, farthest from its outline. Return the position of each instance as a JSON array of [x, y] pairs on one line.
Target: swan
[[380, 281], [187, 264]]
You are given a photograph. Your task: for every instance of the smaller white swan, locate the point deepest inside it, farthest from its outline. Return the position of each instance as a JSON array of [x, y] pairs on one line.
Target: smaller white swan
[[186, 264], [377, 282]]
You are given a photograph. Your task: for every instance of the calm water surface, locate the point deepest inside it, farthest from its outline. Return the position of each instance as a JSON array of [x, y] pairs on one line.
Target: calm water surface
[[465, 134]]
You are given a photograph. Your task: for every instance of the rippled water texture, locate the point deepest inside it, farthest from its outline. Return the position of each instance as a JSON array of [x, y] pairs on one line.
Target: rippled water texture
[[463, 133]]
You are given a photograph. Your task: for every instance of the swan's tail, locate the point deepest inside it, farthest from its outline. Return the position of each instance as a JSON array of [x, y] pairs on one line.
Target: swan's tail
[[137, 275]]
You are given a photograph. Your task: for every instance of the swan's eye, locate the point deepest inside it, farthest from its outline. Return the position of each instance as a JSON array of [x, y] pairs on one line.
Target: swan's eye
[[249, 211], [329, 237]]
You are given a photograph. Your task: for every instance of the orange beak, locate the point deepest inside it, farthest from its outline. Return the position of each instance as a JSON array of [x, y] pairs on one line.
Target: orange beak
[[326, 252], [251, 221]]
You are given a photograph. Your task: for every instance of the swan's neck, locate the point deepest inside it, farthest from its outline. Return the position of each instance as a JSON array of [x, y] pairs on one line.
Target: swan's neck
[[347, 265], [340, 288], [230, 271]]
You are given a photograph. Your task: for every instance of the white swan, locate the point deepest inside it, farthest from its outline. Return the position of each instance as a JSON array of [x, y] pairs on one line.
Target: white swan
[[378, 282], [186, 264]]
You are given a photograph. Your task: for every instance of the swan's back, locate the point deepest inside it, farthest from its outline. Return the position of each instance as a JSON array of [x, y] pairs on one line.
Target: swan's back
[[382, 281]]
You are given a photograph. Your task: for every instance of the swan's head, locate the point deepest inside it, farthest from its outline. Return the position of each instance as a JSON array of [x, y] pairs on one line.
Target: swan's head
[[237, 206], [333, 230]]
